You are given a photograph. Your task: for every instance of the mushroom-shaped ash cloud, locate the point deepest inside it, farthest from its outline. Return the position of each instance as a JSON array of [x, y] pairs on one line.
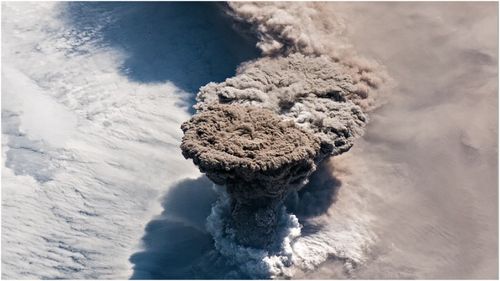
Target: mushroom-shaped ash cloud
[[262, 132], [314, 92], [258, 156]]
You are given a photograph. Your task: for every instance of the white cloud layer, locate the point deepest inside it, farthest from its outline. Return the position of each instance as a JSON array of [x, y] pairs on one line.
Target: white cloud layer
[[85, 151]]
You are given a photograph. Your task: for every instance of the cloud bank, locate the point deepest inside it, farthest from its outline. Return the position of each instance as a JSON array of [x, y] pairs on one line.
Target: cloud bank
[[88, 145]]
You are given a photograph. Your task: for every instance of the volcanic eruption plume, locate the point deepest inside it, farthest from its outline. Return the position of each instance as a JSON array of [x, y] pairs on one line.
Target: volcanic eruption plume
[[262, 132], [257, 156]]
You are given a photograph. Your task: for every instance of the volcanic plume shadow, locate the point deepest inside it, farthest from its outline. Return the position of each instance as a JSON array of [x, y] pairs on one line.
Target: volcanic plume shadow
[[176, 239], [315, 198], [186, 43], [176, 244]]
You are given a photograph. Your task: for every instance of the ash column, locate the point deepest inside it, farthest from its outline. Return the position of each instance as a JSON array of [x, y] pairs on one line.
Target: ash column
[[258, 156]]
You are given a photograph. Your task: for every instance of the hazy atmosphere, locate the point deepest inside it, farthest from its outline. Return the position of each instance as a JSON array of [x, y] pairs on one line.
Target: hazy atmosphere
[[271, 140]]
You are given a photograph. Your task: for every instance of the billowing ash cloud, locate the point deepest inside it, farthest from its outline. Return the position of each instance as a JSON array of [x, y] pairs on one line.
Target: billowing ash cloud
[[312, 29], [257, 156], [312, 91], [234, 144], [262, 132]]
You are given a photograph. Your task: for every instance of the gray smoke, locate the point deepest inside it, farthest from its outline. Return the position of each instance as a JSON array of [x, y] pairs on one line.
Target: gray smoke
[[262, 132]]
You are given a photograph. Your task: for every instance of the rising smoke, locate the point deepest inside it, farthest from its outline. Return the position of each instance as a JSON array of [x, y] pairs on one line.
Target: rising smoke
[[257, 156], [262, 132]]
